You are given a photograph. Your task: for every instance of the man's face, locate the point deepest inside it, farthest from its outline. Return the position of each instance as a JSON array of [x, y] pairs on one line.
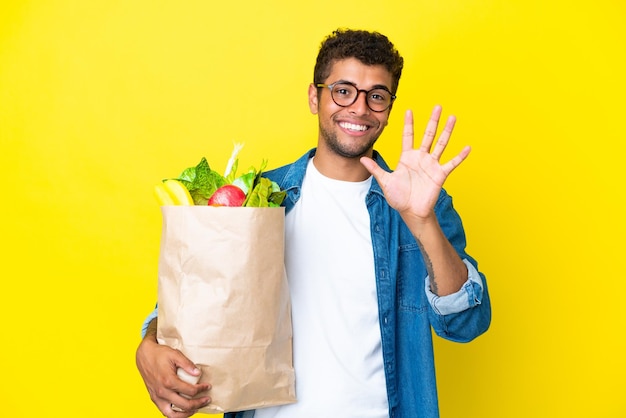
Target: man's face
[[350, 131]]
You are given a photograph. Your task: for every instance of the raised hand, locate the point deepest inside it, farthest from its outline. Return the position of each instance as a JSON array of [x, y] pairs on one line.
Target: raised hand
[[414, 186]]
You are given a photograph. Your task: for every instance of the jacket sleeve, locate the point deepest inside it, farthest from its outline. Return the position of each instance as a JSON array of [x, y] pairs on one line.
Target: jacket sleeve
[[466, 314]]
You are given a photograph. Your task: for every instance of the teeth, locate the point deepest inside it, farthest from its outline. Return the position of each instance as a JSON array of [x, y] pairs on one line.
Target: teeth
[[353, 127]]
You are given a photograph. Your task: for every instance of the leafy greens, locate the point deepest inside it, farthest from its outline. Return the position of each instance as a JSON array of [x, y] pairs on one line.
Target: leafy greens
[[202, 182]]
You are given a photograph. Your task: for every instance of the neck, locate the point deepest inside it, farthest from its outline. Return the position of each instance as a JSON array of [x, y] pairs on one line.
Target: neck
[[340, 168]]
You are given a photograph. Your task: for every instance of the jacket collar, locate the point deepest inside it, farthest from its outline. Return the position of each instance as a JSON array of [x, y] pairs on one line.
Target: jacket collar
[[293, 177]]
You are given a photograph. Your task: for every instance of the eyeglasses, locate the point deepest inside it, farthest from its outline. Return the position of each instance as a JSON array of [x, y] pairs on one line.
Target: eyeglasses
[[345, 94]]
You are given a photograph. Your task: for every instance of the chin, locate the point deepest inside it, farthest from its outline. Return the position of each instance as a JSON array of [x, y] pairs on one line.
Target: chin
[[350, 147], [351, 152]]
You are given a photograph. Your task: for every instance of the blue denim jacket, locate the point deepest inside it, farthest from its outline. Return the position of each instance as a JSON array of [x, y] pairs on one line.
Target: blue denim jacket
[[407, 308]]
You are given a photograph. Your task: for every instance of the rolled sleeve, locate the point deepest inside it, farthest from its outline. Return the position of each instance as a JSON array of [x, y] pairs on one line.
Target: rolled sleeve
[[468, 296]]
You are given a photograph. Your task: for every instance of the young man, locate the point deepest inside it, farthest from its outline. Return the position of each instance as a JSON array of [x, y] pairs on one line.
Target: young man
[[375, 259]]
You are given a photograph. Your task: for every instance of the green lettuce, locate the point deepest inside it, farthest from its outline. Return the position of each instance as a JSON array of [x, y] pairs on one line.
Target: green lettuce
[[265, 193], [202, 182]]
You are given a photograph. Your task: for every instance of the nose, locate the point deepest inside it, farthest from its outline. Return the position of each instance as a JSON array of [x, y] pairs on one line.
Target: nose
[[360, 105]]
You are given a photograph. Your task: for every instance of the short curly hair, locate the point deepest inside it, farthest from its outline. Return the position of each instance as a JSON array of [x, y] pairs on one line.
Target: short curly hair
[[371, 48]]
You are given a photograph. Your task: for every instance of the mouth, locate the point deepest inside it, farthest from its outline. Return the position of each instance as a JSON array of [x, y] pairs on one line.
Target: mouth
[[353, 127]]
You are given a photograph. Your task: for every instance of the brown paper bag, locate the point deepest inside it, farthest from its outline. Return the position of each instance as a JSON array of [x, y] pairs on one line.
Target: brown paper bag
[[224, 302]]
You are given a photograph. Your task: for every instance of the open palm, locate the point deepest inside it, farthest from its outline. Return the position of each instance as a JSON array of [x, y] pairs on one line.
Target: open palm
[[414, 186]]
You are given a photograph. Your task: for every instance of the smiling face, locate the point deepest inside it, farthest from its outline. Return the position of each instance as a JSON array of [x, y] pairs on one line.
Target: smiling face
[[349, 132]]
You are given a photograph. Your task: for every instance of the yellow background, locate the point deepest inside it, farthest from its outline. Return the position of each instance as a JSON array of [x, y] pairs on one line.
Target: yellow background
[[101, 99]]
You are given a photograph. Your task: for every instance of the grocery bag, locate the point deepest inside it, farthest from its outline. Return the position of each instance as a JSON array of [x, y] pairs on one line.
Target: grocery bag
[[223, 301]]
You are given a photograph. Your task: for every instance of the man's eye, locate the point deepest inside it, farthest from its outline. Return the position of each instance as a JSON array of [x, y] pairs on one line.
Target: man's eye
[[378, 96], [342, 91]]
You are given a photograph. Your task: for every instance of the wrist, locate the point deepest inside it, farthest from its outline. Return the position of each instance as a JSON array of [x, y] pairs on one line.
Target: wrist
[[420, 225]]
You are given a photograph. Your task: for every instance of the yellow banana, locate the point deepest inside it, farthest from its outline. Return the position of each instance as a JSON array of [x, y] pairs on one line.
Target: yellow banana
[[162, 196], [178, 191], [172, 192]]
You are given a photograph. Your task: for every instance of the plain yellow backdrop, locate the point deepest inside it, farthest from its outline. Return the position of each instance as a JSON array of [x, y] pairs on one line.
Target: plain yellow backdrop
[[99, 100]]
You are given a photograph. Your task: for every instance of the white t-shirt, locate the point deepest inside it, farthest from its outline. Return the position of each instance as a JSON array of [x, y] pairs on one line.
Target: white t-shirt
[[330, 267]]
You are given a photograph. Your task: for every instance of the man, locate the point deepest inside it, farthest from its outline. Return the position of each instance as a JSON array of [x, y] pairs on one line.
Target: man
[[374, 258]]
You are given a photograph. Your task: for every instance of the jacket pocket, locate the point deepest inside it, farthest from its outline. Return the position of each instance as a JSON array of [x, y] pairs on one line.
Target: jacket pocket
[[410, 279]]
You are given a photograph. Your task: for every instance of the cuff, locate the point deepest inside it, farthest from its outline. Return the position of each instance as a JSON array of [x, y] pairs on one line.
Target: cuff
[[468, 296]]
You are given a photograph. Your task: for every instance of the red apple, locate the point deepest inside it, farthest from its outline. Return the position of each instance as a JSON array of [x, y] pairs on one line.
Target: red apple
[[228, 195]]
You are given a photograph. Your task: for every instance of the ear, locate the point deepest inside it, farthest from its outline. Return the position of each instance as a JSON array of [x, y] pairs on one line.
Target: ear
[[313, 100]]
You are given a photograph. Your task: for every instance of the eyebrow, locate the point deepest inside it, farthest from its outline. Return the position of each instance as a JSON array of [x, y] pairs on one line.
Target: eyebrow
[[376, 86]]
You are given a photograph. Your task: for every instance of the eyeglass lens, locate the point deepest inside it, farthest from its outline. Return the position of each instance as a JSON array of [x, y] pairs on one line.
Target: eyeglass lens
[[346, 94]]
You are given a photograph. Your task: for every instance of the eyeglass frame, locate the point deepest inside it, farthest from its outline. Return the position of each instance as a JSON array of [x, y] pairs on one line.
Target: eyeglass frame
[[358, 91]]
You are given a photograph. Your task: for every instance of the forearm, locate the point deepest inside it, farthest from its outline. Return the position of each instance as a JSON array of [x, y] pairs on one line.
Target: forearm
[[149, 336], [147, 322], [151, 330], [446, 271]]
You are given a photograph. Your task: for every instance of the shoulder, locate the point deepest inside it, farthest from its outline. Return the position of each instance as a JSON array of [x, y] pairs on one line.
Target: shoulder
[[291, 174]]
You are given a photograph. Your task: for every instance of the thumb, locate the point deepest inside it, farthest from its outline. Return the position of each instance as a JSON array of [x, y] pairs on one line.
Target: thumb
[[187, 365], [192, 379], [373, 167]]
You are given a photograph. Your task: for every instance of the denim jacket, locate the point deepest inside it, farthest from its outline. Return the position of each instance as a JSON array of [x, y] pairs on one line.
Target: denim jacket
[[407, 308]]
